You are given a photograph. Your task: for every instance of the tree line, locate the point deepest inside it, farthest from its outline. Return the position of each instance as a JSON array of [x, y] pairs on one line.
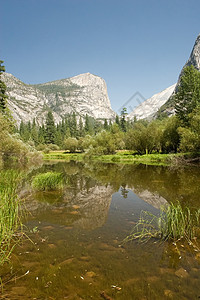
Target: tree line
[[180, 132], [71, 130]]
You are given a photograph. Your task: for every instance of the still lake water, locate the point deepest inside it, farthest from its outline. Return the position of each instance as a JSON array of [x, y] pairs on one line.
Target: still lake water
[[76, 234]]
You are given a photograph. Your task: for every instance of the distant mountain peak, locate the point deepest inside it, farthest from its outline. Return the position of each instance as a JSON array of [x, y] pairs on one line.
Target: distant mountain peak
[[83, 94], [148, 108]]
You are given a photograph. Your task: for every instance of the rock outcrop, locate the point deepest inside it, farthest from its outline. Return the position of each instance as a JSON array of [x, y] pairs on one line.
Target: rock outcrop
[[82, 94], [193, 60]]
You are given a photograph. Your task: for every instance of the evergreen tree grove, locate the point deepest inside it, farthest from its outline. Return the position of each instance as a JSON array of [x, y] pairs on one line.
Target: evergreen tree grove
[[188, 95], [3, 96]]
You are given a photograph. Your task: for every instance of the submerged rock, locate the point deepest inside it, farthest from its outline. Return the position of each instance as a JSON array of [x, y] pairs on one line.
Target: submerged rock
[[52, 246], [181, 273], [85, 258], [19, 290], [90, 274], [66, 261], [105, 296], [168, 293]]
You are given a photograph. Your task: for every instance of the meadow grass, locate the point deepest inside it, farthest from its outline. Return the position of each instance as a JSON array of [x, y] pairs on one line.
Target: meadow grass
[[9, 212], [47, 181], [121, 156], [173, 223]]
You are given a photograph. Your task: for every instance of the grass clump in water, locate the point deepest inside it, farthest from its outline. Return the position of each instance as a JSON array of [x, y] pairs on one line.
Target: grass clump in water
[[48, 181], [174, 222], [9, 212]]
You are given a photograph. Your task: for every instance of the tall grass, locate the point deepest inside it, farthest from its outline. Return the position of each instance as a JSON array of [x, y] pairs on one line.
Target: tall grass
[[9, 212], [47, 181], [174, 222]]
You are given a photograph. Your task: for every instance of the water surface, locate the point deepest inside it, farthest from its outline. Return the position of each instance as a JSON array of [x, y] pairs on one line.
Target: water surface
[[76, 250]]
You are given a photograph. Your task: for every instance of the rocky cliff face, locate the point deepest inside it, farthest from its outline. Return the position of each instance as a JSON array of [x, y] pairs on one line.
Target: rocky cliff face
[[83, 94], [193, 60], [148, 108]]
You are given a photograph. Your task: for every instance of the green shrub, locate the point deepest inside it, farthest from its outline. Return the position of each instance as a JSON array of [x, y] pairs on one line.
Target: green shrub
[[71, 144], [53, 147], [41, 147], [47, 181], [12, 149]]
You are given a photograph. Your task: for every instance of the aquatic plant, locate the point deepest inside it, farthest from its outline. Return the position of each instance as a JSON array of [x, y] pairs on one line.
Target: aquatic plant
[[9, 212], [47, 181], [174, 222]]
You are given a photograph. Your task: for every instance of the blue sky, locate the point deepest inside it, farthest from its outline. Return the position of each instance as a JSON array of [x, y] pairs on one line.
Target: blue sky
[[136, 46]]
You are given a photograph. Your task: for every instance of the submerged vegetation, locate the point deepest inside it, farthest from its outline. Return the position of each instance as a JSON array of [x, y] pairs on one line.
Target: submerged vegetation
[[174, 222], [47, 181], [9, 212]]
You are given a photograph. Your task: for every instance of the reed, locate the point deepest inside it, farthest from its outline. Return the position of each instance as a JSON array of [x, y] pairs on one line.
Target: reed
[[9, 212], [174, 222], [47, 181]]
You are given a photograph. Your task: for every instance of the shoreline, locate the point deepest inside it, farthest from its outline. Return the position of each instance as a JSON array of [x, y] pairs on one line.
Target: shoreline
[[125, 157]]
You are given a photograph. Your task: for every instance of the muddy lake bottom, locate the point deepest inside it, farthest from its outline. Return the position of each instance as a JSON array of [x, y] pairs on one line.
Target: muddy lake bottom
[[75, 249]]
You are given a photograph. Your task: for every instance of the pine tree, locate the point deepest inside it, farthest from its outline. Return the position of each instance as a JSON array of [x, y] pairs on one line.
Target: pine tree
[[29, 126], [105, 125], [81, 128], [67, 134], [50, 129], [21, 128], [73, 125], [41, 135], [123, 119], [117, 120], [34, 132], [24, 131], [3, 96], [58, 138], [87, 124], [63, 128], [97, 126]]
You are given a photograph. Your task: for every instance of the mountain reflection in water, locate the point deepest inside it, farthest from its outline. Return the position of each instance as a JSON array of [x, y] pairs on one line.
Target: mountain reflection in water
[[77, 233]]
